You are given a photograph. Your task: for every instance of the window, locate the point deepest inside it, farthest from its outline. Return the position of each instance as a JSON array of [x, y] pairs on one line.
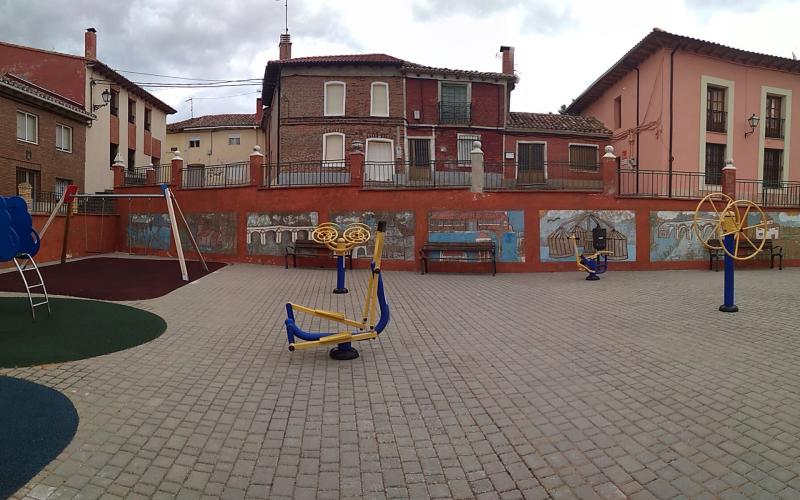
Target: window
[[716, 117], [773, 123], [715, 161], [333, 150], [131, 111], [114, 102], [148, 115], [334, 98], [131, 159], [583, 157], [379, 99], [618, 112], [465, 148], [234, 140], [419, 159], [530, 163], [773, 168], [27, 127], [63, 138], [454, 103], [194, 142], [61, 186]]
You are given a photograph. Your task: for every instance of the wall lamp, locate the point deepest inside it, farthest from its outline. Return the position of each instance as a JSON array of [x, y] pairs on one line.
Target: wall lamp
[[106, 96], [753, 122]]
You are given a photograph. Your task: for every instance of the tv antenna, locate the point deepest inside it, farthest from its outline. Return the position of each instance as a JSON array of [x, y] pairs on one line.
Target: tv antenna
[[191, 105], [286, 16]]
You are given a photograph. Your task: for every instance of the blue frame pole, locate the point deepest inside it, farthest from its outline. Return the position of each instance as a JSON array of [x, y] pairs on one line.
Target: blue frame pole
[[728, 306], [340, 271]]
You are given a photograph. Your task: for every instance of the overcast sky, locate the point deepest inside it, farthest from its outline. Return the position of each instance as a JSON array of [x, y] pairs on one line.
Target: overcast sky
[[561, 46]]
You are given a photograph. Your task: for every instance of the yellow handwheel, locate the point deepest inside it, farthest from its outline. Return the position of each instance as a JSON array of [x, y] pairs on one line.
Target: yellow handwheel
[[718, 204], [357, 233], [325, 233], [740, 227]]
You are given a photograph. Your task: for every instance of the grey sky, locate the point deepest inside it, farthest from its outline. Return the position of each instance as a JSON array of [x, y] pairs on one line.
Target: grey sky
[[561, 46]]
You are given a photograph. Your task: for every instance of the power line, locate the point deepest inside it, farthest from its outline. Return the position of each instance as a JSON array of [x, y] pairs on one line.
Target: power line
[[193, 86], [228, 96], [217, 80]]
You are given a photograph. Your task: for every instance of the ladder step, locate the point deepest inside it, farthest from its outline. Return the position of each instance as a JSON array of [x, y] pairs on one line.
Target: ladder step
[[35, 286], [37, 304]]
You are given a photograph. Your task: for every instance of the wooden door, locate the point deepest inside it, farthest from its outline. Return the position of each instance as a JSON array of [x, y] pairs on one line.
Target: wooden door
[[530, 164], [419, 159]]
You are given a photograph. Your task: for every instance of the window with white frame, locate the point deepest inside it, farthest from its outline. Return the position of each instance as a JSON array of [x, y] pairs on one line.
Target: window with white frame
[[465, 143], [63, 138], [584, 157], [27, 127], [333, 150], [380, 99], [334, 98], [234, 140], [194, 142]]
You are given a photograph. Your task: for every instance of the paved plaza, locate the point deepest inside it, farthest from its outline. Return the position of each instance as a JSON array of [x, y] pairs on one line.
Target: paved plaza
[[513, 386]]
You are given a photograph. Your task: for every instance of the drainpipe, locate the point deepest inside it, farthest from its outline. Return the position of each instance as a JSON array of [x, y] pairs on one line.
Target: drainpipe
[[637, 129], [278, 133], [671, 79]]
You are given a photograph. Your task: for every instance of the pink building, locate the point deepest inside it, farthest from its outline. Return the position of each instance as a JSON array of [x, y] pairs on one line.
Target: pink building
[[677, 104]]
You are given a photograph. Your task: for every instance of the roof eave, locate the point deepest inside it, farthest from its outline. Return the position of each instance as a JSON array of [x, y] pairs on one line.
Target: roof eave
[[527, 130], [54, 106], [136, 90]]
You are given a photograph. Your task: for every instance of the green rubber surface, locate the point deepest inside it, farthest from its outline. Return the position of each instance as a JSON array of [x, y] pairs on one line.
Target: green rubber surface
[[77, 329]]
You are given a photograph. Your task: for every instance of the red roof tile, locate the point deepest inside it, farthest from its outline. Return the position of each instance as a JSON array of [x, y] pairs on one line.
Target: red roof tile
[[15, 83], [341, 59], [214, 121], [557, 122]]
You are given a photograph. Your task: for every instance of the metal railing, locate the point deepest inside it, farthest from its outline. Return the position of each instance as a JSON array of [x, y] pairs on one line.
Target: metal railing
[[214, 176], [773, 127], [549, 176], [455, 112], [44, 202], [769, 193], [307, 173], [399, 174], [138, 176], [716, 121]]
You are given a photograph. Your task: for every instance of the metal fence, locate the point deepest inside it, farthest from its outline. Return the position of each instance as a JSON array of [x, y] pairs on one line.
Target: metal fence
[[307, 173], [769, 194], [403, 174], [213, 176], [44, 202], [546, 176], [138, 176]]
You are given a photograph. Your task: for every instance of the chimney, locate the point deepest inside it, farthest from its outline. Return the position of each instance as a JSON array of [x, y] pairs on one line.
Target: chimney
[[508, 60], [285, 47], [259, 110], [90, 44]]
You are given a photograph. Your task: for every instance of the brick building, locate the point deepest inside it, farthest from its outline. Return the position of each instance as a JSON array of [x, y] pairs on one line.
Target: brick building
[[42, 141]]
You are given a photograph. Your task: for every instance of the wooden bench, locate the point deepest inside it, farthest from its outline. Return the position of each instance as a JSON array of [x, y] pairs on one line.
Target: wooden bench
[[477, 251], [769, 250], [309, 248]]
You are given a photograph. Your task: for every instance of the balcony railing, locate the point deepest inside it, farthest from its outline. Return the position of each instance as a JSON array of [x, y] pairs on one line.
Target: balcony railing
[[455, 113], [307, 173], [402, 174], [773, 127], [716, 121], [549, 176], [44, 202], [215, 176], [138, 176]]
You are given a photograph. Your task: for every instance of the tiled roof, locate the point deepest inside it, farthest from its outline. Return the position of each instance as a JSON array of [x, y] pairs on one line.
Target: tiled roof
[[15, 83], [557, 122], [409, 67], [214, 121], [342, 59]]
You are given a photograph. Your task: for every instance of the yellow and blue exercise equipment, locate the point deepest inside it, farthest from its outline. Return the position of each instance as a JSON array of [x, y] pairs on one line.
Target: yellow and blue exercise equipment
[[596, 262], [365, 329]]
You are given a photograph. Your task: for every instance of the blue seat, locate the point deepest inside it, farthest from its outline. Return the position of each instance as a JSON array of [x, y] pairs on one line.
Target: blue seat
[[22, 224], [9, 241]]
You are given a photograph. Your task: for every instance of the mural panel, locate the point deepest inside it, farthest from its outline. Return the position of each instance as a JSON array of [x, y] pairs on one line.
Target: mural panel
[[672, 237], [785, 232], [505, 227], [268, 233], [150, 231], [399, 238], [556, 226], [214, 232]]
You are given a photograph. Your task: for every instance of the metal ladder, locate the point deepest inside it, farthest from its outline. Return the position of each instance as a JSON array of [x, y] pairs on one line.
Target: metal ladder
[[24, 267]]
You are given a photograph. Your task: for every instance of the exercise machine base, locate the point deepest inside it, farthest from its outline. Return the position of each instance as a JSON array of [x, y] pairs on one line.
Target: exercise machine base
[[729, 308], [592, 277], [343, 354], [340, 290]]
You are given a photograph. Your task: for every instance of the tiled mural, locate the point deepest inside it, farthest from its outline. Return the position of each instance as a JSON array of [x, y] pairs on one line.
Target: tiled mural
[[505, 227], [556, 226], [399, 237], [149, 231], [214, 232], [672, 237], [268, 233]]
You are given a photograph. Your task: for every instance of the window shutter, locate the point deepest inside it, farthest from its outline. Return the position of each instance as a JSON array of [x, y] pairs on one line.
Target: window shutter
[[334, 100], [334, 147], [380, 99]]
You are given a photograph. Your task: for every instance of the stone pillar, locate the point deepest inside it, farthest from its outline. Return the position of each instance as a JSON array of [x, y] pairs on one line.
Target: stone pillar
[[119, 171], [608, 172], [476, 156], [357, 164], [729, 179], [256, 166], [25, 191], [176, 169]]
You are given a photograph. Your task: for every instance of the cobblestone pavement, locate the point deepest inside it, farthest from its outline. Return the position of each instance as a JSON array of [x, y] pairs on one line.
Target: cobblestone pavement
[[523, 385]]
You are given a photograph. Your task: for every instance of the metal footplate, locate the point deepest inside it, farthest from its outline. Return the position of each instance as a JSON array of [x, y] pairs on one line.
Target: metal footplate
[[30, 265]]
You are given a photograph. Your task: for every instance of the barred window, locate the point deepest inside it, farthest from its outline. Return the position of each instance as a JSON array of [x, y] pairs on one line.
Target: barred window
[[583, 157], [715, 161], [465, 148]]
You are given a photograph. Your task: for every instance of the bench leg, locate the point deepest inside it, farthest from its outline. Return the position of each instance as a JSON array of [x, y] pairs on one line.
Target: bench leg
[[286, 261], [494, 266], [423, 265]]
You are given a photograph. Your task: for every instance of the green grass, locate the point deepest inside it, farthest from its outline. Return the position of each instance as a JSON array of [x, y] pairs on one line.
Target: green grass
[[77, 329]]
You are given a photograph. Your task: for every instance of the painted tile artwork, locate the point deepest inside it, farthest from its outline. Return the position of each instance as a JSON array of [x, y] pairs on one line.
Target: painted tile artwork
[[785, 231], [399, 238], [214, 232], [556, 226], [505, 228], [673, 239], [268, 233], [149, 231]]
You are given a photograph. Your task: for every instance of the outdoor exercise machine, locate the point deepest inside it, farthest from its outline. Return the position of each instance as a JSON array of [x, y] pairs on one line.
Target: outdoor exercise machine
[[70, 195], [19, 241], [365, 329], [596, 262], [340, 242], [730, 223]]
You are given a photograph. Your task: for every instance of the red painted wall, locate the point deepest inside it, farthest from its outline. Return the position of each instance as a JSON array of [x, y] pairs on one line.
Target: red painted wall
[[60, 73]]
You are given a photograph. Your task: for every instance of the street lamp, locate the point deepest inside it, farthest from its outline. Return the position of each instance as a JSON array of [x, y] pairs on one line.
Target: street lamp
[[106, 96], [753, 122]]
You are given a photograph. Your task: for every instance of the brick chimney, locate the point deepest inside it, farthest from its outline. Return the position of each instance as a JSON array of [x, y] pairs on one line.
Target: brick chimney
[[508, 59], [285, 47], [90, 43], [259, 110]]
